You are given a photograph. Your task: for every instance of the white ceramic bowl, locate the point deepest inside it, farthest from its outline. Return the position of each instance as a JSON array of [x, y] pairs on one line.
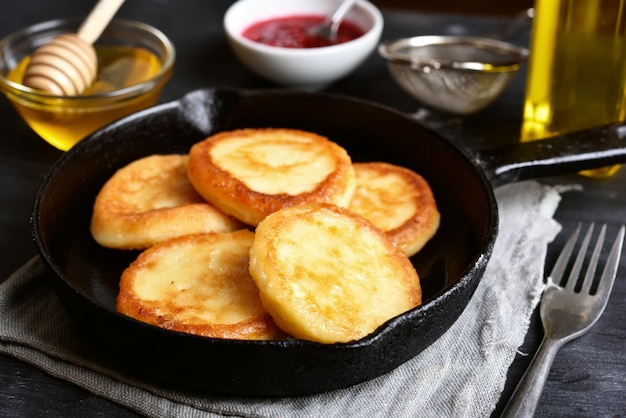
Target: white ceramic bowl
[[306, 68]]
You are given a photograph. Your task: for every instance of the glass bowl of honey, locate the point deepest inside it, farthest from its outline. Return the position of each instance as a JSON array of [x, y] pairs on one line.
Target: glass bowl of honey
[[135, 61]]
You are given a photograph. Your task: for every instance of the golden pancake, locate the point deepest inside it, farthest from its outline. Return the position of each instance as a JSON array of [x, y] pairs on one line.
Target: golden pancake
[[398, 201], [326, 274], [151, 200], [198, 284], [250, 173]]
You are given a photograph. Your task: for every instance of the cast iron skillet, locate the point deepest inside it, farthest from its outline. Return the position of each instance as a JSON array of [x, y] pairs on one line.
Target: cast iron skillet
[[451, 265]]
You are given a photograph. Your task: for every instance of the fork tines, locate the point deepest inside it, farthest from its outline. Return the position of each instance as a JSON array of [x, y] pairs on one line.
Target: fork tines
[[586, 284]]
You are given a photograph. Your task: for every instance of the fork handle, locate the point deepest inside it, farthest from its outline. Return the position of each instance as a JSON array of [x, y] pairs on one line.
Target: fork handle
[[526, 396]]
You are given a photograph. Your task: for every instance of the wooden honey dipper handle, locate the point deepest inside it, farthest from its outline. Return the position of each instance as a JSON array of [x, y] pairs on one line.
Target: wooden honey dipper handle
[[98, 19]]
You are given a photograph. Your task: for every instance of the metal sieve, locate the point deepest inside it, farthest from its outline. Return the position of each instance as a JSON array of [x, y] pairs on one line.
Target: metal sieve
[[456, 74]]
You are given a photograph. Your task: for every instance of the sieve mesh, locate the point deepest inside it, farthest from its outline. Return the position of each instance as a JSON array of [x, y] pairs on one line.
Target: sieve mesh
[[456, 74]]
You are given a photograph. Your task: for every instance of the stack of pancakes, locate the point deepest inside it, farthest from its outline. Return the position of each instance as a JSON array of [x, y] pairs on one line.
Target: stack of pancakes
[[266, 234]]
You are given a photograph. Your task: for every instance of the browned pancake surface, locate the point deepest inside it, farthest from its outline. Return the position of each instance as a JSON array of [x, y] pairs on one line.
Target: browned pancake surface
[[250, 173], [198, 284], [398, 201], [151, 200], [326, 274]]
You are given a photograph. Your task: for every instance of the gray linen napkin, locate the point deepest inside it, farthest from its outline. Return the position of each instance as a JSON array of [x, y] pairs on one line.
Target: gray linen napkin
[[461, 375]]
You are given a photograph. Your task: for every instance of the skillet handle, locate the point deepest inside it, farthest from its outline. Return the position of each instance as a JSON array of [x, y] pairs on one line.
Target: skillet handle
[[566, 153]]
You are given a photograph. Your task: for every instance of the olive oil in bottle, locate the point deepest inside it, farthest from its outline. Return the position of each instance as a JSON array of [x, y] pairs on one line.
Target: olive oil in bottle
[[577, 69]]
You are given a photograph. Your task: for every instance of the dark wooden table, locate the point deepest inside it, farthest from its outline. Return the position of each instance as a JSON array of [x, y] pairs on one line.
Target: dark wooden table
[[589, 376]]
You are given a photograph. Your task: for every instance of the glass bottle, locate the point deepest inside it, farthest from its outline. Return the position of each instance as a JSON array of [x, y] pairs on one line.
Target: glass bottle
[[576, 70]]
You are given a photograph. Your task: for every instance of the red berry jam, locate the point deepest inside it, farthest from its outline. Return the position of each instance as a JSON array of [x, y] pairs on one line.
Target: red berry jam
[[291, 32]]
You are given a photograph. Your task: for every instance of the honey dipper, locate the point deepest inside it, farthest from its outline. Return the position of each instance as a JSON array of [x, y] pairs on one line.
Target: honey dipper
[[67, 65]]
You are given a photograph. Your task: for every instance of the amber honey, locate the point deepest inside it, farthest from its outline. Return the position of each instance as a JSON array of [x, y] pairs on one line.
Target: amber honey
[[64, 121]]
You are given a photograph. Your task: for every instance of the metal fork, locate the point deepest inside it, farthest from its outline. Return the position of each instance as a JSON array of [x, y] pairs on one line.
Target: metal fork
[[567, 313]]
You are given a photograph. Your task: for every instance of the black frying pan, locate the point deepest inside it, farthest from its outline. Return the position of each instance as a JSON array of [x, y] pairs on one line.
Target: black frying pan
[[86, 275]]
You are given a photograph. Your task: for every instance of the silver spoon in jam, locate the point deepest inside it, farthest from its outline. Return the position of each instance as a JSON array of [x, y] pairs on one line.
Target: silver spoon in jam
[[330, 26]]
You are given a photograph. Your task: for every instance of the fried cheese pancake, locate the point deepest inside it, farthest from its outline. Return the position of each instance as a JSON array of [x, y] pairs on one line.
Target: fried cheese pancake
[[398, 201], [326, 274], [151, 200], [250, 173], [198, 284]]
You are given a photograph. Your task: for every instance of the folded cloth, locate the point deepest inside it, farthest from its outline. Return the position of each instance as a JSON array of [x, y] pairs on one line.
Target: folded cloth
[[462, 374]]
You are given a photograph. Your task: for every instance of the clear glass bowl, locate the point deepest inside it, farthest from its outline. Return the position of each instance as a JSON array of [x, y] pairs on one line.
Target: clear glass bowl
[[64, 120]]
